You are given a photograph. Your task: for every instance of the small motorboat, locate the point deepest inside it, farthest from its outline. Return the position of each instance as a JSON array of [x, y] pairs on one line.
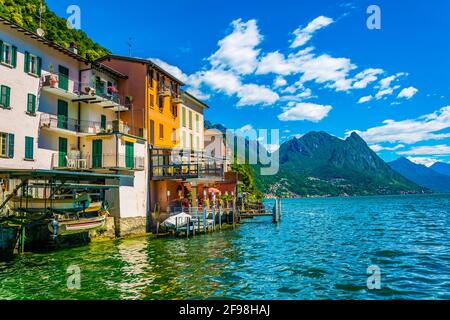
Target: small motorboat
[[79, 203], [67, 227], [179, 219], [94, 207]]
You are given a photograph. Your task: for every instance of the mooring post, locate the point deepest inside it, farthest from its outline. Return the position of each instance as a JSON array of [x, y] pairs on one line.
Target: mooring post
[[213, 213], [176, 226], [23, 240], [275, 211], [220, 219], [188, 226], [204, 220], [280, 212]]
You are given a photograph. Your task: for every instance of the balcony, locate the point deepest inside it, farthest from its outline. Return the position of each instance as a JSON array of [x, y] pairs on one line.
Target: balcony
[[77, 161], [64, 87], [76, 127], [182, 164]]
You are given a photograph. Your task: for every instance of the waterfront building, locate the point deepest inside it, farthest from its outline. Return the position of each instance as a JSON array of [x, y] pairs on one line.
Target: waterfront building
[[60, 111]]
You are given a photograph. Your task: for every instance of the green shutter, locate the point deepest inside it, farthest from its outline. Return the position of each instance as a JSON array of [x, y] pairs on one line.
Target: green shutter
[[26, 67], [11, 146], [5, 96], [1, 51], [39, 66], [103, 122], [184, 117], [129, 155], [14, 56], [31, 106], [29, 146]]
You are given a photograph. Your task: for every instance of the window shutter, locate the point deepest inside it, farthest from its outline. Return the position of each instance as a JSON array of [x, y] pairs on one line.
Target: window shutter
[[26, 67], [39, 66], [31, 108], [14, 56], [11, 146], [7, 96], [29, 145], [103, 122], [1, 51]]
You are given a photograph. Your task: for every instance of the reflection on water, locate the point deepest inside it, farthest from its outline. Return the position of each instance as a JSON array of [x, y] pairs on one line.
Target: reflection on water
[[321, 250]]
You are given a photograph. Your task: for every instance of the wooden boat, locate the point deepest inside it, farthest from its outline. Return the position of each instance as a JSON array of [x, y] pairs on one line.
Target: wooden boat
[[81, 202], [67, 227], [94, 207]]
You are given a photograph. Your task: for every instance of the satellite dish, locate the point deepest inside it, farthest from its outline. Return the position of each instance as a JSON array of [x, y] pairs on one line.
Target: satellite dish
[[40, 32]]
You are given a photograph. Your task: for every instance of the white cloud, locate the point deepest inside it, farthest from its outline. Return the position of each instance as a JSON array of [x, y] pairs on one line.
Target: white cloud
[[275, 62], [386, 92], [305, 111], [252, 94], [302, 36], [365, 99], [237, 51], [426, 127], [279, 82], [221, 80], [365, 77], [422, 160], [407, 93], [173, 70], [386, 82], [378, 148], [440, 149]]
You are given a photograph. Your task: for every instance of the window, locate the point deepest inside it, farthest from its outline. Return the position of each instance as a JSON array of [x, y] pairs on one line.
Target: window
[[6, 145], [174, 136], [5, 96], [8, 54], [197, 123], [184, 139], [152, 101], [150, 78], [161, 103], [183, 117], [31, 105], [198, 143], [161, 131], [29, 146], [190, 119], [191, 141], [33, 64]]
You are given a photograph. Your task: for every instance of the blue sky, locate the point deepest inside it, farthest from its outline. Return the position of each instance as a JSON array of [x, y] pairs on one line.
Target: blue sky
[[298, 66]]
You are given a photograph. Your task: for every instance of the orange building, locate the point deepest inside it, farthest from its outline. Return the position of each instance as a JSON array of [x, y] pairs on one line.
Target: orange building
[[155, 96]]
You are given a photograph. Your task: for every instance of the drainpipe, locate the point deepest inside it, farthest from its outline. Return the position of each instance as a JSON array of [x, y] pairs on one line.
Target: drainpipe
[[149, 195]]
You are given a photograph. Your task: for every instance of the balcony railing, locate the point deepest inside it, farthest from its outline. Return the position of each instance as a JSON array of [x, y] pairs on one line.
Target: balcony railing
[[89, 92], [179, 164], [76, 160], [52, 121]]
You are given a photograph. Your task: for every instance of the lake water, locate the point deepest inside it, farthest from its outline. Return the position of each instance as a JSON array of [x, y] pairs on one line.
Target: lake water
[[321, 250]]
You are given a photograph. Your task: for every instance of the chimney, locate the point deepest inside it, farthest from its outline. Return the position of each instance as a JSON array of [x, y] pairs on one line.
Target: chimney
[[73, 48]]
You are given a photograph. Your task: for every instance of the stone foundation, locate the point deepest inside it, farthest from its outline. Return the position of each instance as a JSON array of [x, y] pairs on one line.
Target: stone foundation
[[106, 233], [130, 226]]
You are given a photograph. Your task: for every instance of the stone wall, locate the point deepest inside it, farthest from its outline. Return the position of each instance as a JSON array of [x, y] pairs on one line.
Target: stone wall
[[130, 226]]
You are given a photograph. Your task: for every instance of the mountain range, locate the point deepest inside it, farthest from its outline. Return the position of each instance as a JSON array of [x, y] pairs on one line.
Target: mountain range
[[319, 164], [435, 178]]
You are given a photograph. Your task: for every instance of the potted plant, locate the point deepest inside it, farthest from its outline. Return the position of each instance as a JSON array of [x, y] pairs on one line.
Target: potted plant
[[128, 100], [53, 78]]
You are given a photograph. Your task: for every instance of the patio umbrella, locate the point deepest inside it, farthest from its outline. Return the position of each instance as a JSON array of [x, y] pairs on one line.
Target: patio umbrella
[[213, 190]]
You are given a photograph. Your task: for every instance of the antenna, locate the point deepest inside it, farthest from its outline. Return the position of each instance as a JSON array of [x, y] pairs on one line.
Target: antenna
[[40, 32], [130, 46]]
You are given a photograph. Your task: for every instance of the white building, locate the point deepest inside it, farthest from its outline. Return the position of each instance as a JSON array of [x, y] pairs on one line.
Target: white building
[[191, 122], [60, 111]]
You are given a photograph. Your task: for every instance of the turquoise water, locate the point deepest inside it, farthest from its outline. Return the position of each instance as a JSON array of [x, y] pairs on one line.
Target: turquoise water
[[321, 250]]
